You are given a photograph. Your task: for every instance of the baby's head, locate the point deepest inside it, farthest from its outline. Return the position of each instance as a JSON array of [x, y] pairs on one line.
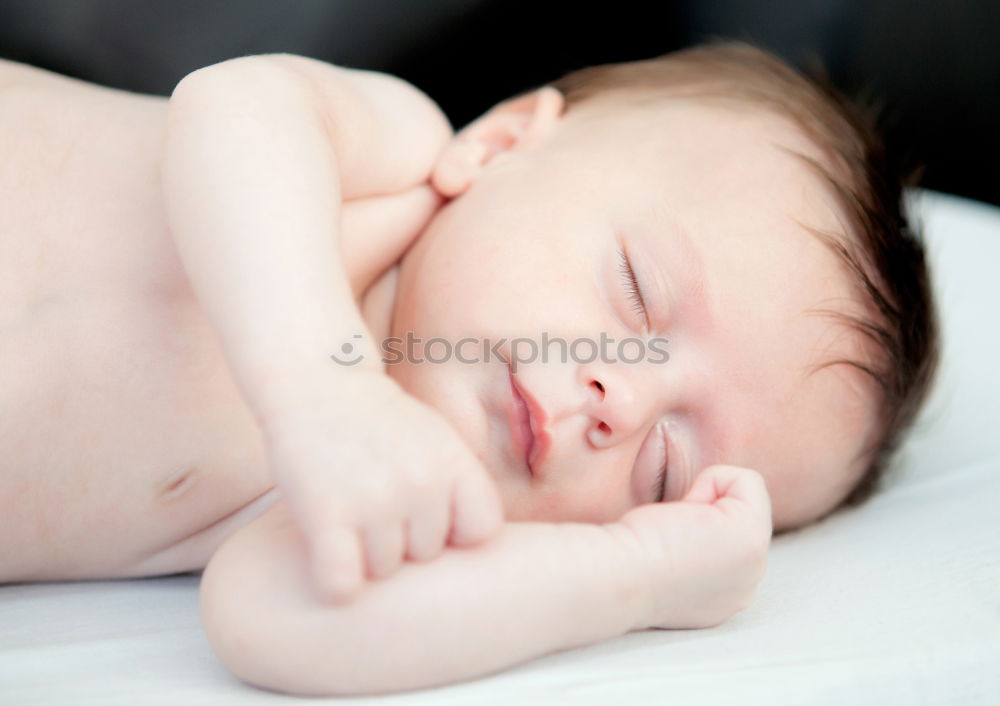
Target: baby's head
[[717, 199]]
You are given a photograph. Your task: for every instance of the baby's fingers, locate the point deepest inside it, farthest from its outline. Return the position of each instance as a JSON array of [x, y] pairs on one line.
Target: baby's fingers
[[385, 545], [336, 564], [477, 513], [734, 490], [428, 529]]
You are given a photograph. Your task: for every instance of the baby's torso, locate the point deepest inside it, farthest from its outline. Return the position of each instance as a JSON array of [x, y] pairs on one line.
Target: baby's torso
[[127, 448]]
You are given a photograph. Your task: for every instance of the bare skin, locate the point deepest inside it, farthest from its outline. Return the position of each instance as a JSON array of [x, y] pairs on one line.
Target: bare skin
[[128, 449], [134, 446]]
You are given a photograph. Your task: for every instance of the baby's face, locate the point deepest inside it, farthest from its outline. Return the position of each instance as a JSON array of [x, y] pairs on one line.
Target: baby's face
[[704, 207]]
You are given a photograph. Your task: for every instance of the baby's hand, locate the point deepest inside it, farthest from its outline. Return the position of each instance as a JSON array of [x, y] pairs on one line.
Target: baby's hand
[[705, 554], [373, 477]]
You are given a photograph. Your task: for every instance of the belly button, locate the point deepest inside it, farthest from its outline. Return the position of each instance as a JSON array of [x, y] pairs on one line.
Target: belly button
[[177, 483]]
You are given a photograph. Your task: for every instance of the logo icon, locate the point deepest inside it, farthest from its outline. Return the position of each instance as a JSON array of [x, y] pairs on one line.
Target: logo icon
[[347, 349]]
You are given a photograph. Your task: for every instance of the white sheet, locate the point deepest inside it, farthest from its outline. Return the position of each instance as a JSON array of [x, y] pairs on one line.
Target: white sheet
[[896, 602]]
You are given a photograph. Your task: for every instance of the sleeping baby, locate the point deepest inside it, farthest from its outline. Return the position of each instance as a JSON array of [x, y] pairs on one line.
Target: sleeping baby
[[426, 405]]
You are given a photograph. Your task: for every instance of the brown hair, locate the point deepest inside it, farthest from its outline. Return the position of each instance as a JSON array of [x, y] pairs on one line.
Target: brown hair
[[881, 251]]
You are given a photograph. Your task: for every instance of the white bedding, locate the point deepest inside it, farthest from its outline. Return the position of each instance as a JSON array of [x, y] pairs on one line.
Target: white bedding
[[896, 602]]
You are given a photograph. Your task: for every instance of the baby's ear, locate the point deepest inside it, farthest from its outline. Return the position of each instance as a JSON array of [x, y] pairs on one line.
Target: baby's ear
[[517, 123]]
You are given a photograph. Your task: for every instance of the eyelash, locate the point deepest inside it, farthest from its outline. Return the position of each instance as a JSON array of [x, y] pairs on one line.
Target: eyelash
[[635, 294], [660, 484], [631, 283]]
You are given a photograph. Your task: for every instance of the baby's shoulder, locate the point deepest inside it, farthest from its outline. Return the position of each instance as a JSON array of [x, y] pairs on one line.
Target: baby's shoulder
[[387, 133]]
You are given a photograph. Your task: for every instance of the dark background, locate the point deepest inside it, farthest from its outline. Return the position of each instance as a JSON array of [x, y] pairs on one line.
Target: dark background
[[935, 64]]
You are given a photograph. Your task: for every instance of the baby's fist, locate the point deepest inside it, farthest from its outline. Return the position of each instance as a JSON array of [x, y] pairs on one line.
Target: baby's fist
[[704, 555]]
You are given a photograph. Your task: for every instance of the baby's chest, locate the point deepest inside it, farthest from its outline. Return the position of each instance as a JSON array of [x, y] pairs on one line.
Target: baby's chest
[[82, 214]]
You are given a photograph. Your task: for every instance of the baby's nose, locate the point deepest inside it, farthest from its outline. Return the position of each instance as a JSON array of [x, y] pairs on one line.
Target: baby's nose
[[616, 409]]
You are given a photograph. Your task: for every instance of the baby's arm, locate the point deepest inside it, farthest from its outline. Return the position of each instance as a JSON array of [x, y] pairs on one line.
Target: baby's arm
[[534, 589], [260, 152], [258, 156]]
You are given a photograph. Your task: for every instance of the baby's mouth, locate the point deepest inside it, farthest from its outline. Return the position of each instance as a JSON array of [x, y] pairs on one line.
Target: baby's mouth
[[526, 420], [519, 424]]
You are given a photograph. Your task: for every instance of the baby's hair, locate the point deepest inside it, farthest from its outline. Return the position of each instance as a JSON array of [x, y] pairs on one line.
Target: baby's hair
[[883, 254]]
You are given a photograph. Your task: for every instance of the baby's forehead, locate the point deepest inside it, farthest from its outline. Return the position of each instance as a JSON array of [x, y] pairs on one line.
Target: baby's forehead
[[793, 411], [810, 412]]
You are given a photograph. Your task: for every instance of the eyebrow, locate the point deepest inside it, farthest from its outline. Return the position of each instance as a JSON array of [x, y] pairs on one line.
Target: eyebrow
[[693, 289]]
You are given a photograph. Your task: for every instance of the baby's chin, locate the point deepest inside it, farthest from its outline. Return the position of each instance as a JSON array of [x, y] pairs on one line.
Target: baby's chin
[[451, 397]]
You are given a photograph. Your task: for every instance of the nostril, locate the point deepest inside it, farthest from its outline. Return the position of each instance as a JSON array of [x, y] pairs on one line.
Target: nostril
[[598, 385], [604, 427]]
